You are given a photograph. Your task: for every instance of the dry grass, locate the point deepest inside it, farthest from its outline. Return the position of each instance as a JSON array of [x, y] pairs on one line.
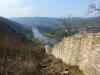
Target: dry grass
[[35, 62]]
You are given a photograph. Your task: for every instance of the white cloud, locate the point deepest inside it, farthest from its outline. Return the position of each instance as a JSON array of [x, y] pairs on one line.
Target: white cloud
[[15, 8], [4, 3], [27, 11], [22, 12]]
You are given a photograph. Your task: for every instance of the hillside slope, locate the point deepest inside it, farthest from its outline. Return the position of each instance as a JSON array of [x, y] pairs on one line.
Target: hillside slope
[[15, 51], [9, 37], [19, 56]]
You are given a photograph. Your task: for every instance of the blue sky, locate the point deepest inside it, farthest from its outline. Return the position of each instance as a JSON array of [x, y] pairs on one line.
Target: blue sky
[[43, 8]]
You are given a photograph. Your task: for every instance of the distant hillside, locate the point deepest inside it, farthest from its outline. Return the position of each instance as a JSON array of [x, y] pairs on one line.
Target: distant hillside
[[9, 35], [54, 28], [19, 28], [41, 21], [47, 21], [14, 25]]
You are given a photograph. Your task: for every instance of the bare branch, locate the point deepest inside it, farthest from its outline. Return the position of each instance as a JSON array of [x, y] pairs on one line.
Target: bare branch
[[94, 8]]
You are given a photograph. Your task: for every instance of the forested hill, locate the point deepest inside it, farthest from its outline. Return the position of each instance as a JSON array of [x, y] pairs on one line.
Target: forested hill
[[49, 21], [11, 35]]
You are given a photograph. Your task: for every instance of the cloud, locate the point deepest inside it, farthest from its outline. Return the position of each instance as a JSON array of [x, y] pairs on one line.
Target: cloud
[[15, 8], [5, 3], [22, 12], [28, 11]]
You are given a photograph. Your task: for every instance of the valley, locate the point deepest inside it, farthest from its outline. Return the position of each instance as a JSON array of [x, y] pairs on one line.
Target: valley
[[22, 47], [21, 53], [49, 37]]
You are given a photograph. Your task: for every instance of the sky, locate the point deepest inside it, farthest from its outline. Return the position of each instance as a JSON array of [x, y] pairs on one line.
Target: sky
[[43, 8]]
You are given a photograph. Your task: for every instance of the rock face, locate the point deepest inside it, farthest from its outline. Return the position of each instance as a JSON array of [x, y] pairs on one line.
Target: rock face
[[82, 50]]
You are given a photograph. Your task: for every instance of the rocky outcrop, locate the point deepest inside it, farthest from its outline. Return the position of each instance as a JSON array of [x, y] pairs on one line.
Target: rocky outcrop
[[82, 50]]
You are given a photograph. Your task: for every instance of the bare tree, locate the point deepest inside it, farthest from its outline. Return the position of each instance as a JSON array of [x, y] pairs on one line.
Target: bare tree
[[94, 8], [67, 25], [66, 21]]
